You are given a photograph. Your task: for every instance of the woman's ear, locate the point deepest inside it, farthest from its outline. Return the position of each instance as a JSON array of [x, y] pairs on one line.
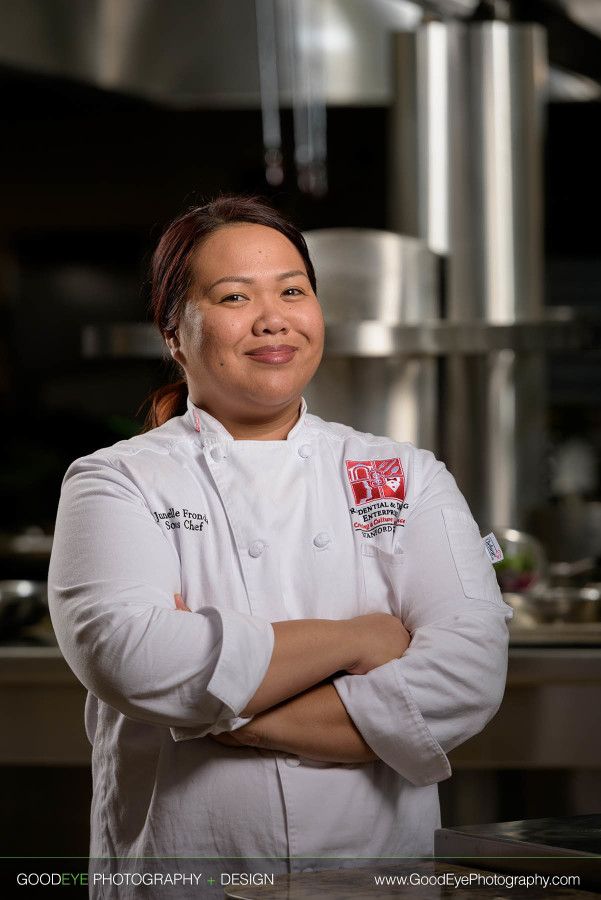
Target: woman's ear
[[172, 341]]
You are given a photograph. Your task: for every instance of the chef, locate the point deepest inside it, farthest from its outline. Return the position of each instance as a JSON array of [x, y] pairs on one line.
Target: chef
[[284, 624]]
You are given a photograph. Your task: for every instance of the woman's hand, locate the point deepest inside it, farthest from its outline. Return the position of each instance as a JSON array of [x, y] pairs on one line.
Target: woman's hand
[[247, 736], [314, 725], [380, 638], [179, 603]]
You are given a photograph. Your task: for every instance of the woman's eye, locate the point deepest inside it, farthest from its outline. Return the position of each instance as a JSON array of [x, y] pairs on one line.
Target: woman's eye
[[292, 292], [234, 297]]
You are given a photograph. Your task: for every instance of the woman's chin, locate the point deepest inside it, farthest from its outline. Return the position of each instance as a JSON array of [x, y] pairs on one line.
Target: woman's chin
[[269, 392]]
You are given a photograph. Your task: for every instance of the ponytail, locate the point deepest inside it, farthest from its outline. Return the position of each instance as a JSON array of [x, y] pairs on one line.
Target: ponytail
[[165, 403]]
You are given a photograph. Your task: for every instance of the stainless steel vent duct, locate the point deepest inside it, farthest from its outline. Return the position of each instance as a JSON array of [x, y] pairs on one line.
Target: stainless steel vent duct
[[466, 175]]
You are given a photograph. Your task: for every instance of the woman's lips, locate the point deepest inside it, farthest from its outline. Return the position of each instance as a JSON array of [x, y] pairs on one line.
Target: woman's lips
[[281, 353]]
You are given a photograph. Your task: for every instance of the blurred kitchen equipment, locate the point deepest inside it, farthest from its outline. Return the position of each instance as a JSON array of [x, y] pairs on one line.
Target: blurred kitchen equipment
[[32, 542], [203, 53], [573, 574], [304, 26], [25, 554], [195, 53], [22, 603], [524, 566], [574, 472], [369, 282], [269, 84], [569, 531], [550, 605], [466, 176]]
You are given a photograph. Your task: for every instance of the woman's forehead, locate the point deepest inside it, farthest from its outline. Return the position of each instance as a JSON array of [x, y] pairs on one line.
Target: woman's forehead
[[246, 249]]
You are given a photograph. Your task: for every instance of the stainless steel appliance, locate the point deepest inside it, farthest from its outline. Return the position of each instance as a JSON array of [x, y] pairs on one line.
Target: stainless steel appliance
[[369, 282]]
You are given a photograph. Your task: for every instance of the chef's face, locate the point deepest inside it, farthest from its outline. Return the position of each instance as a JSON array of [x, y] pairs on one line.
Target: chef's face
[[250, 337]]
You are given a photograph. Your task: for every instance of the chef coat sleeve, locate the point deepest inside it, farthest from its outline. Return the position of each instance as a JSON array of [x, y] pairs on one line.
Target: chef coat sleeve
[[112, 577], [450, 681]]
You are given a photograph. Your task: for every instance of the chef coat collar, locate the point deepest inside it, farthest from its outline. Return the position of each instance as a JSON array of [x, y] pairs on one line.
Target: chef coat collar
[[210, 427]]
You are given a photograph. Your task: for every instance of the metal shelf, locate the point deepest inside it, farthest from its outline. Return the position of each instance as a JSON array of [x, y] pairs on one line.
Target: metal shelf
[[373, 339]]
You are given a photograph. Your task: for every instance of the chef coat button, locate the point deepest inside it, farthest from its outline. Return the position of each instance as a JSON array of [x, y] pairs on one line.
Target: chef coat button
[[292, 761], [256, 549], [321, 540], [217, 454], [305, 450]]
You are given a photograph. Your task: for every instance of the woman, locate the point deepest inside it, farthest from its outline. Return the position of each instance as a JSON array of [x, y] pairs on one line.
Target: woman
[[276, 708]]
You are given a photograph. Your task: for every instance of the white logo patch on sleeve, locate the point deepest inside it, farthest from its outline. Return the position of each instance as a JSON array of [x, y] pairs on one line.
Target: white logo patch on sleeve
[[492, 548]]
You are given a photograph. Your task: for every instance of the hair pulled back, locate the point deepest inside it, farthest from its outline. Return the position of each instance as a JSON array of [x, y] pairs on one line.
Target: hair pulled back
[[172, 273]]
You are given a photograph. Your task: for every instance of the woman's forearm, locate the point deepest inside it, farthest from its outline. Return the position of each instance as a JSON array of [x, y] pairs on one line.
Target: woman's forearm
[[313, 724], [307, 651]]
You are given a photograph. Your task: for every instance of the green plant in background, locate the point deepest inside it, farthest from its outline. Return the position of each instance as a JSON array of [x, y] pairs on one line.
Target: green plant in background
[[519, 563], [518, 572]]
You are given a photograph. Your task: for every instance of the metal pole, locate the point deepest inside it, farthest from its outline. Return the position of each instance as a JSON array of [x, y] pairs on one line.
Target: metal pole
[[466, 176]]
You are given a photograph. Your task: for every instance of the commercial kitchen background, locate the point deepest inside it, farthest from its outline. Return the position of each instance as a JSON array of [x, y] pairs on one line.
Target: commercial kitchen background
[[116, 116]]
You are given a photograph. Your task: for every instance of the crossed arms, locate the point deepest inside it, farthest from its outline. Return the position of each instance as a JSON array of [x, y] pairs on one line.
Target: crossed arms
[[194, 673], [295, 709]]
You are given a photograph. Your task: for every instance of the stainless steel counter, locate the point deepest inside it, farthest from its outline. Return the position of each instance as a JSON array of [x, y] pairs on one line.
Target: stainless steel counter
[[522, 846], [550, 716], [41, 708], [416, 880], [537, 666]]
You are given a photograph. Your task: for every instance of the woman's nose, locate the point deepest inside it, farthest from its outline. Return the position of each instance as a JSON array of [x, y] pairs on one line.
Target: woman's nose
[[271, 317]]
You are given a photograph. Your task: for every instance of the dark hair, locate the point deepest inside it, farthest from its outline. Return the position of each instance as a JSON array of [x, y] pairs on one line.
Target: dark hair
[[172, 274]]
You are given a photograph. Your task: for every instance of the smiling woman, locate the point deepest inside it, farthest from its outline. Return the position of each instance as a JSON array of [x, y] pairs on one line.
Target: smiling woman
[[249, 342], [268, 610], [189, 277]]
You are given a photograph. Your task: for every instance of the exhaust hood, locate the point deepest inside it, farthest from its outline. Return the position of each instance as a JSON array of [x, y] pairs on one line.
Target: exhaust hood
[[204, 53]]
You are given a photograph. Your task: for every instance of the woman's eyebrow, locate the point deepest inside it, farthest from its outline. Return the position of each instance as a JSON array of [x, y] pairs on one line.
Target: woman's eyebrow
[[292, 274], [233, 278], [243, 279]]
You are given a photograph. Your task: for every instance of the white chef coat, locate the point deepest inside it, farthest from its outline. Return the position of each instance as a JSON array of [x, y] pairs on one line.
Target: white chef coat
[[329, 523]]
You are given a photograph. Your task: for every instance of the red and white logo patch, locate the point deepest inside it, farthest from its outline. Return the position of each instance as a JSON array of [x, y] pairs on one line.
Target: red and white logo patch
[[374, 479]]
